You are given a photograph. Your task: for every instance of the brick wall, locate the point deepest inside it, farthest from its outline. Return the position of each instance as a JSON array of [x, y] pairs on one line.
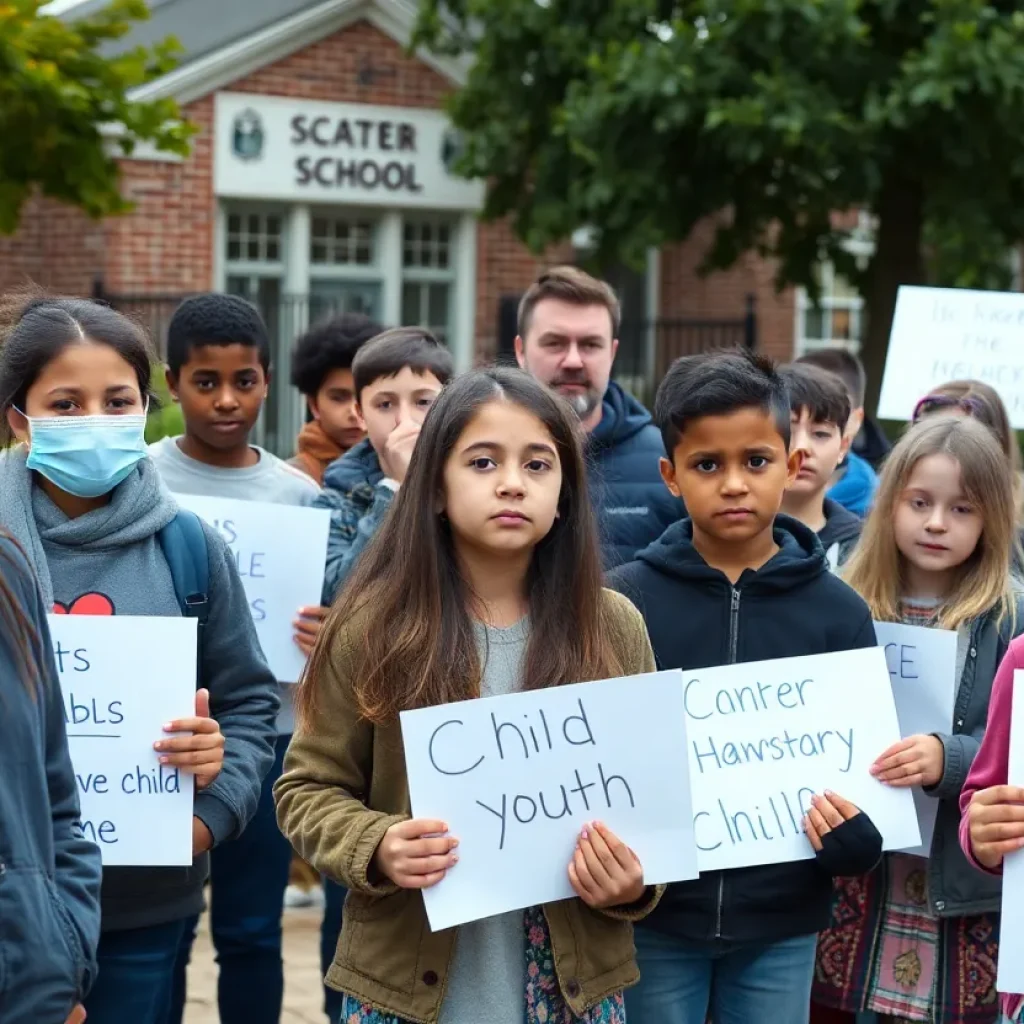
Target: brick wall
[[56, 247], [166, 245], [685, 294]]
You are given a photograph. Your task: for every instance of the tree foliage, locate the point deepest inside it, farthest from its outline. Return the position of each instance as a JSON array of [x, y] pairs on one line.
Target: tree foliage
[[640, 118], [59, 90]]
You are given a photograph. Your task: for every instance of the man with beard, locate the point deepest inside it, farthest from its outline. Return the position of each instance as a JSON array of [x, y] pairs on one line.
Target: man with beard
[[568, 336]]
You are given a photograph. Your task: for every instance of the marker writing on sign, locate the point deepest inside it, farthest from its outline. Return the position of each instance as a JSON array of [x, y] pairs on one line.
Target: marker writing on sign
[[250, 564], [775, 818], [451, 754], [703, 703], [900, 660]]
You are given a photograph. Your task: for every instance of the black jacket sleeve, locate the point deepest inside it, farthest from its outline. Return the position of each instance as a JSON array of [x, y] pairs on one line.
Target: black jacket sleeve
[[852, 849]]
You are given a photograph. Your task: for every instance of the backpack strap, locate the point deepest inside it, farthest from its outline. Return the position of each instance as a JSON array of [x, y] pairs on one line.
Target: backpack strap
[[184, 546]]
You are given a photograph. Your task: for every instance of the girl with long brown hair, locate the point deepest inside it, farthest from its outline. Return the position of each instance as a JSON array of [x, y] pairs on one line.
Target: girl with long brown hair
[[50, 896], [916, 940], [485, 579]]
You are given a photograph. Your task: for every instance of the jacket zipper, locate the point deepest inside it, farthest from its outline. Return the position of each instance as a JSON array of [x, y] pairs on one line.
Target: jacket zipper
[[734, 640]]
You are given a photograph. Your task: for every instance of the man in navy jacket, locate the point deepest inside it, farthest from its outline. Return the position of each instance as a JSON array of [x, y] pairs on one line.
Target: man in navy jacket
[[568, 337]]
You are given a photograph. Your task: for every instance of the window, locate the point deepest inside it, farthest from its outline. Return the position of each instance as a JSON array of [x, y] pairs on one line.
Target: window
[[426, 245], [254, 237], [428, 274], [836, 320], [255, 251], [341, 241]]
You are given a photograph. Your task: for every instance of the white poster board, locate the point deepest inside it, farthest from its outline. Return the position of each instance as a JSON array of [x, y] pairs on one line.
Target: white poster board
[[516, 777], [765, 736], [1010, 972], [922, 667], [122, 678], [944, 334], [281, 554]]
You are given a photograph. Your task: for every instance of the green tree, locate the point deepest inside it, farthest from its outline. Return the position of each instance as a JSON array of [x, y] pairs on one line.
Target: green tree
[[59, 90], [642, 117]]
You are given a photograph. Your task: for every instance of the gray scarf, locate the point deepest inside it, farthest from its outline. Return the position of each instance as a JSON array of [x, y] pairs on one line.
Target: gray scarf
[[138, 508]]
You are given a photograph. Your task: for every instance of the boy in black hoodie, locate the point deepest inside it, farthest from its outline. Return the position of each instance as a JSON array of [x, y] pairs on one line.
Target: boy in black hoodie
[[737, 582], [819, 409]]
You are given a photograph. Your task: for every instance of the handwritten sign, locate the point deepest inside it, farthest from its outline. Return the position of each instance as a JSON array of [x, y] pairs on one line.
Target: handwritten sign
[[281, 552], [944, 334], [1010, 972], [122, 679], [765, 736], [516, 777], [922, 668]]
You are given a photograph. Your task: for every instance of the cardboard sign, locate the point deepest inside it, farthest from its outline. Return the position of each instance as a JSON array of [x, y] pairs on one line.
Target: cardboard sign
[[516, 777], [764, 737], [922, 668], [122, 678], [281, 553], [944, 334], [1010, 972]]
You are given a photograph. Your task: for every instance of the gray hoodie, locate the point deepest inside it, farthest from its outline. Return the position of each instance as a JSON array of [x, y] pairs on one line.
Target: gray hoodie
[[111, 558]]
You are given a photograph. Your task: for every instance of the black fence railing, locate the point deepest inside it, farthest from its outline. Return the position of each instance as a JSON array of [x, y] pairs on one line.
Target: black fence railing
[[647, 348]]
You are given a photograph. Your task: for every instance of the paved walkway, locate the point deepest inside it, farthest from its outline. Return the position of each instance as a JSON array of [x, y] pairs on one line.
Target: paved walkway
[[303, 995]]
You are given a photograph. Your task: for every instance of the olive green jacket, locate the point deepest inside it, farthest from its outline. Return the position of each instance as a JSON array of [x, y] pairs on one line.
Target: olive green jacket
[[344, 785]]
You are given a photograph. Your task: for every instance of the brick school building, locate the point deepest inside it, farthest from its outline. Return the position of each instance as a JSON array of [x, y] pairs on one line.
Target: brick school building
[[318, 180]]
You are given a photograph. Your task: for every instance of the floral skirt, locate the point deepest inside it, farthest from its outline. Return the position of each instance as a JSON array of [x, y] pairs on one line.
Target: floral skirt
[[542, 1002], [885, 953]]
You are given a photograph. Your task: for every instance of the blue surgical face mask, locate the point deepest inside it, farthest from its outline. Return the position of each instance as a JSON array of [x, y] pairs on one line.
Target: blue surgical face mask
[[86, 455]]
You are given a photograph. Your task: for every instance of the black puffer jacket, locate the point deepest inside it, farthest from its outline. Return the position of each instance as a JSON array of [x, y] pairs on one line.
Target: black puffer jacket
[[632, 503]]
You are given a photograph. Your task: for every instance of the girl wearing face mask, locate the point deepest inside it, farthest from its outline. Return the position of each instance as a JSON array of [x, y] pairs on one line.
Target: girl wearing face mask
[[916, 940], [79, 495]]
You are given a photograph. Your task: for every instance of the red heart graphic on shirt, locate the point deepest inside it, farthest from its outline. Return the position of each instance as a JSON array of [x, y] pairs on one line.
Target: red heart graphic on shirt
[[87, 604]]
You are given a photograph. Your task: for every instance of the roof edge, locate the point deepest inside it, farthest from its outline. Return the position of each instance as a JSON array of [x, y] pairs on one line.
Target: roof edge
[[213, 71]]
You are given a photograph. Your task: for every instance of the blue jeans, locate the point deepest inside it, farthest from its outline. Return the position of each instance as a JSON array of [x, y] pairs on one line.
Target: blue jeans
[[738, 983], [330, 929], [248, 877], [136, 975]]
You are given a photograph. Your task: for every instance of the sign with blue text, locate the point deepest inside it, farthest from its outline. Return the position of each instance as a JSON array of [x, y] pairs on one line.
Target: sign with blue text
[[516, 778], [122, 678], [922, 668], [764, 737], [1010, 974], [944, 334], [281, 553]]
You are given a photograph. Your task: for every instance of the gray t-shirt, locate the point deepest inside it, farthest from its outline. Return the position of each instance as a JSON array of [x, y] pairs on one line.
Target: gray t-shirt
[[270, 479], [487, 979]]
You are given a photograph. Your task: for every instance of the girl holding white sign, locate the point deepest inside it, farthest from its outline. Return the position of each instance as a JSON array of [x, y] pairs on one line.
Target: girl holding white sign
[[88, 508], [485, 579], [916, 939]]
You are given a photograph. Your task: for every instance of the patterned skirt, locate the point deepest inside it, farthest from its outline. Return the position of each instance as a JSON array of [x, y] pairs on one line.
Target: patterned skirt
[[542, 1000], [884, 952]]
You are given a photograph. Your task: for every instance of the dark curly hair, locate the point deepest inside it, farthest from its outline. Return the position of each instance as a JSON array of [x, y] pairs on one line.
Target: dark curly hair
[[215, 319], [330, 344]]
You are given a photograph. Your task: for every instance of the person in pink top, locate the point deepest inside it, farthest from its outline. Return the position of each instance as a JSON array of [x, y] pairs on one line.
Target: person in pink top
[[992, 812]]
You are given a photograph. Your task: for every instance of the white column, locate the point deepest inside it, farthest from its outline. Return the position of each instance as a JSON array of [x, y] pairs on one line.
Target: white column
[[390, 239], [291, 406], [463, 333], [220, 246]]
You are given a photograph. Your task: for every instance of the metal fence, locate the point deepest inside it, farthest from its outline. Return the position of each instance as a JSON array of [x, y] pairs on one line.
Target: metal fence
[[647, 348]]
